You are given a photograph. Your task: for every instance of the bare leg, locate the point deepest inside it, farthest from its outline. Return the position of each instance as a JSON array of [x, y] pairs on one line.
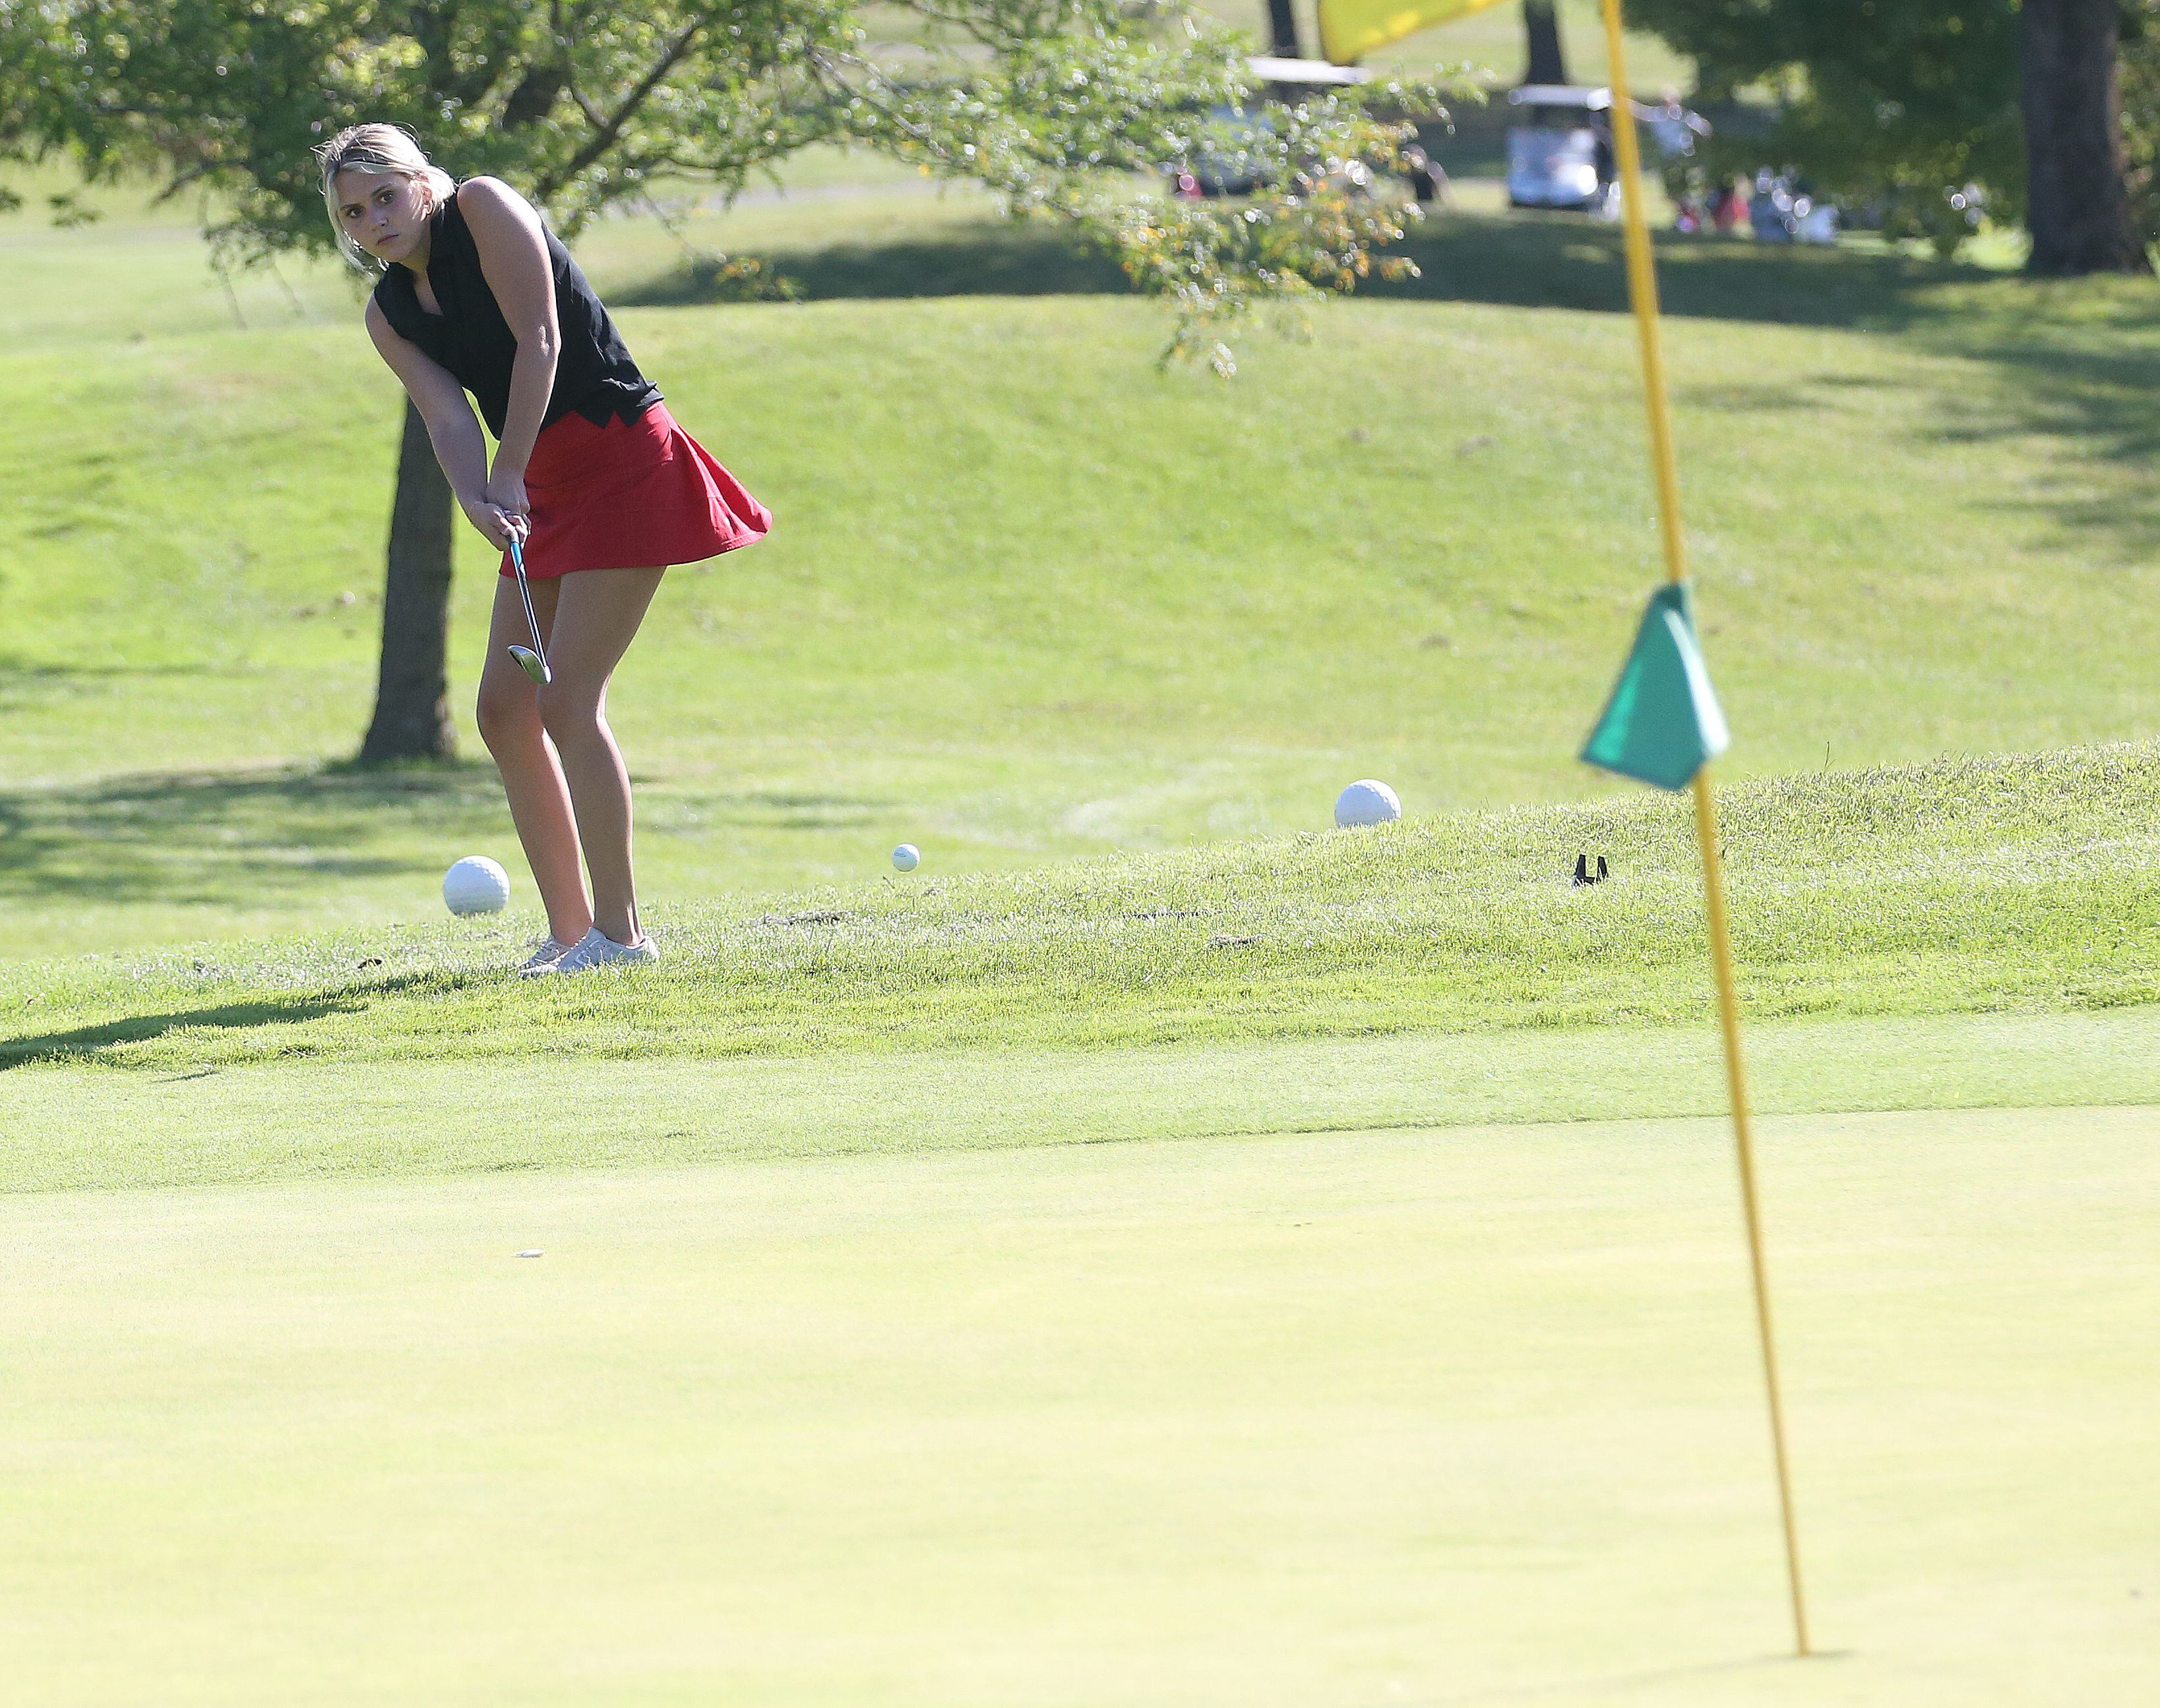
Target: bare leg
[[596, 616], [510, 724]]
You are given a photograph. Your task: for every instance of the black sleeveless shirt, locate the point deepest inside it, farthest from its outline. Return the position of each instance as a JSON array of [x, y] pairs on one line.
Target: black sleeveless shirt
[[594, 374]]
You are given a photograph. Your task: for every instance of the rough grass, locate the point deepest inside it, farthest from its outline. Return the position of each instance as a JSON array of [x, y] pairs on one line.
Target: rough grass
[[1971, 885]]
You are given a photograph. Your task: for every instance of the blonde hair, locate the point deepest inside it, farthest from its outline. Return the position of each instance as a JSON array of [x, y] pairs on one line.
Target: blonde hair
[[377, 148]]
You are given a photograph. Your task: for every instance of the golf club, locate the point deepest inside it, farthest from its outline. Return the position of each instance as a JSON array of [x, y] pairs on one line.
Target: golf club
[[531, 660]]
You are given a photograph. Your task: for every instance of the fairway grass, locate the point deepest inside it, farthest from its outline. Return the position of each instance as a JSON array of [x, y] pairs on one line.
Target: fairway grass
[[1424, 1418]]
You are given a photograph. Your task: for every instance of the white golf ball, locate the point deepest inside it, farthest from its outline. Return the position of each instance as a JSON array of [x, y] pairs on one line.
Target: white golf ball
[[475, 885], [1367, 802], [906, 857]]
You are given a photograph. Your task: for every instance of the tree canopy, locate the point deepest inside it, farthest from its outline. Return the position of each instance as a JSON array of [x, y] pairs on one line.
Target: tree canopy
[[1062, 105], [1069, 109], [2141, 114], [1900, 104]]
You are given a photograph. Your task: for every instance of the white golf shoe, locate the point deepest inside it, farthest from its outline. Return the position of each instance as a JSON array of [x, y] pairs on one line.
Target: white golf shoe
[[598, 949], [544, 956]]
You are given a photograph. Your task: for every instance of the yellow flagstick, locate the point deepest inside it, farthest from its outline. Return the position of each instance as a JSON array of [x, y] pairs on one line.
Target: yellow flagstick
[[1643, 294]]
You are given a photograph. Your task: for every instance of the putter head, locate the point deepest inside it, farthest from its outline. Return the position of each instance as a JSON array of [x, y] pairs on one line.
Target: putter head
[[532, 664]]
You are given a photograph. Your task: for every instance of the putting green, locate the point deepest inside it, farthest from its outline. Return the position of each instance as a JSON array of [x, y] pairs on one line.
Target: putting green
[[1450, 1416]]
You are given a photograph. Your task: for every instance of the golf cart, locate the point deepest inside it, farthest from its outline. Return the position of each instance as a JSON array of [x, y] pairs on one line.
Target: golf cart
[[1561, 156]]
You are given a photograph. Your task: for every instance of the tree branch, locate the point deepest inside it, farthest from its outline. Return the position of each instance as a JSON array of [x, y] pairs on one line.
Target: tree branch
[[556, 28], [970, 26], [181, 179], [584, 104], [610, 129], [824, 68]]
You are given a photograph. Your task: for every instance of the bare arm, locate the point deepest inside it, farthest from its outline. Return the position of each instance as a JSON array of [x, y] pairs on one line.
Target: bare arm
[[513, 258], [452, 428]]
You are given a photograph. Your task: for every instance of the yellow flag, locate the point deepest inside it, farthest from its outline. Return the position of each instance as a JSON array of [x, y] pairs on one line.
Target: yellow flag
[[1350, 29]]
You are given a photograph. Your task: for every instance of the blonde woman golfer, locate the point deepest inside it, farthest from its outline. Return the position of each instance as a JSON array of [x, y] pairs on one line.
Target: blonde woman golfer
[[591, 474]]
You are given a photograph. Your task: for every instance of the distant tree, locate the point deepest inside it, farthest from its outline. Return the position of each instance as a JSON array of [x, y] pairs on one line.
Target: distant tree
[[2078, 206], [1543, 59], [1932, 110], [2139, 60], [1282, 30], [1900, 104], [1067, 108]]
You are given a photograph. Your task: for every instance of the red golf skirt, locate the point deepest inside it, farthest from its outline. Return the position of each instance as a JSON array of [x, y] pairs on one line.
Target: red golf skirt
[[632, 495]]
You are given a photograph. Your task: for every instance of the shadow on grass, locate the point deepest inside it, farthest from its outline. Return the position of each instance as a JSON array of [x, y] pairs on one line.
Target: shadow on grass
[[2070, 364], [1563, 260], [256, 841], [23, 681], [2076, 362], [230, 838], [665, 812], [1521, 260], [88, 1043], [989, 259]]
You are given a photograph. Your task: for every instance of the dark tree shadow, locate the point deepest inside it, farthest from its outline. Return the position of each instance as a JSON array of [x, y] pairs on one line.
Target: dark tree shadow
[[258, 840], [240, 838], [1563, 261], [87, 1043], [989, 259], [1520, 260], [698, 812], [2076, 363], [23, 680]]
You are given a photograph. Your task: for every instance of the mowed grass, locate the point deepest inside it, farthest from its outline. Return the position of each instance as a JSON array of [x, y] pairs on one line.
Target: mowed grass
[[2014, 883], [1971, 934], [1466, 1417], [1029, 598], [72, 1127]]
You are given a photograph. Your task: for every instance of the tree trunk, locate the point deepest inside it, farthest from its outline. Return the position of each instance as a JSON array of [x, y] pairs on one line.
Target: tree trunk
[[2078, 209], [1282, 23], [412, 690], [1541, 29]]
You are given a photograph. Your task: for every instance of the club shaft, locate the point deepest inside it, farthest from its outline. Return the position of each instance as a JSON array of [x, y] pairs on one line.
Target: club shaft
[[525, 593]]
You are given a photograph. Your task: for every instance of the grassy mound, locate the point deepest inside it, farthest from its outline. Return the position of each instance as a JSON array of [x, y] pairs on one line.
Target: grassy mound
[[1031, 600], [2025, 883]]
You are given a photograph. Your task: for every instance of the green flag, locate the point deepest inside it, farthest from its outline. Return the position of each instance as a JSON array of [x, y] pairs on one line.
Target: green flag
[[1663, 722]]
